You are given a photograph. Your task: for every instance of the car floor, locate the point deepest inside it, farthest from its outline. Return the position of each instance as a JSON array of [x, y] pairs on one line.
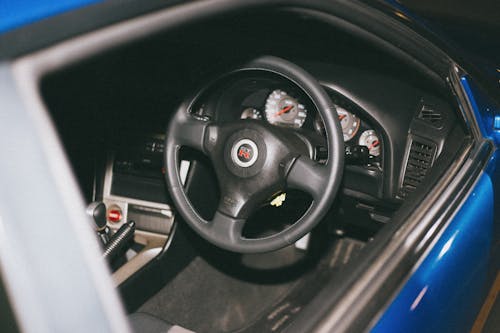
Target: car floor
[[208, 296]]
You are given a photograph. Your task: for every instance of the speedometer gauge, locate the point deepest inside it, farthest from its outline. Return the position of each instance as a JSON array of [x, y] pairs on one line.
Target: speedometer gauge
[[349, 122], [284, 110], [370, 139]]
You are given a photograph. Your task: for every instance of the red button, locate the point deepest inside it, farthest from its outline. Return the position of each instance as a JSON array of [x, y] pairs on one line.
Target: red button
[[114, 215]]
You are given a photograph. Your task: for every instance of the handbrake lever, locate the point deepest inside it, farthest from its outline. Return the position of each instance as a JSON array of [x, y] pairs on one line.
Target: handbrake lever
[[119, 240]]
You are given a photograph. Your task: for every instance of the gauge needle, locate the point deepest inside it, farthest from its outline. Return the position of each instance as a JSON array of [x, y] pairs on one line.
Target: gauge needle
[[284, 110], [374, 144], [342, 116]]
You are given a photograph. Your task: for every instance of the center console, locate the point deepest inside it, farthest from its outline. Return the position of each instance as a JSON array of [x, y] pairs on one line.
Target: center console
[[134, 189]]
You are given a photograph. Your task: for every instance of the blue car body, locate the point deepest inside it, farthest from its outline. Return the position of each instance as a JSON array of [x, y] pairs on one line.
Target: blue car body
[[446, 292], [15, 14], [447, 289]]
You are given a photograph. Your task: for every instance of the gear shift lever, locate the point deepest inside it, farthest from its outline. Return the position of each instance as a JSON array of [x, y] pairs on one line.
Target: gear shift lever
[[97, 210], [114, 244]]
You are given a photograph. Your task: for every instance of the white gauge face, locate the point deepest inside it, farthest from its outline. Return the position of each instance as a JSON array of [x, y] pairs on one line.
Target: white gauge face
[[349, 122], [370, 139], [284, 110], [251, 113]]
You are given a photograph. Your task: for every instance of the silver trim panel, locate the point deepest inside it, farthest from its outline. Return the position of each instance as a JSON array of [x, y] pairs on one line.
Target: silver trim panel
[[153, 246]]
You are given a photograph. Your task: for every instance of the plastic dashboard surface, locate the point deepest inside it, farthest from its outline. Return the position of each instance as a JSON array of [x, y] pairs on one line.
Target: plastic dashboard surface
[[380, 108], [403, 127], [386, 103], [397, 109]]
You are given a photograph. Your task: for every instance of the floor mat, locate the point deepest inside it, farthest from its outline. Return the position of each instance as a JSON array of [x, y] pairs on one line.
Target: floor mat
[[283, 313], [206, 299]]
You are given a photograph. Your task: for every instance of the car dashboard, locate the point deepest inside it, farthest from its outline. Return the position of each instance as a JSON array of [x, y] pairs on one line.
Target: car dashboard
[[112, 113]]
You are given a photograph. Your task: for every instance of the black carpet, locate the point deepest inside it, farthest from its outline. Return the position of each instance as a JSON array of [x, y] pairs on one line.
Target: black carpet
[[204, 299], [279, 316], [208, 297]]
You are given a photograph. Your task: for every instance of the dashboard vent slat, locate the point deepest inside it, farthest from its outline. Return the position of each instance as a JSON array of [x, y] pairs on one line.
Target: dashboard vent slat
[[420, 159], [430, 115]]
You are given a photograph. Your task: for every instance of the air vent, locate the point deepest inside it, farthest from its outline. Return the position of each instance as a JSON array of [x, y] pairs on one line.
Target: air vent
[[420, 160], [430, 115]]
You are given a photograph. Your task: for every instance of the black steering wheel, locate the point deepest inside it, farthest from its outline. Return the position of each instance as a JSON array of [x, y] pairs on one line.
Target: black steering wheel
[[253, 160]]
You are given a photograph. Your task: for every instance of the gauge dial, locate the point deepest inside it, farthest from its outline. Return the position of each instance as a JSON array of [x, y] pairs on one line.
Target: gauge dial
[[251, 113], [284, 110], [370, 139], [349, 122]]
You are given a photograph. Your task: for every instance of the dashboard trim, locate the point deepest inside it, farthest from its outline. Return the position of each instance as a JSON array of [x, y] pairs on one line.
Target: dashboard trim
[[154, 245]]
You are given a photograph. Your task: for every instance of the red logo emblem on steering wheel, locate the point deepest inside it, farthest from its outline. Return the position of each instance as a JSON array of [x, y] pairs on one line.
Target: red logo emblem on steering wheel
[[244, 153]]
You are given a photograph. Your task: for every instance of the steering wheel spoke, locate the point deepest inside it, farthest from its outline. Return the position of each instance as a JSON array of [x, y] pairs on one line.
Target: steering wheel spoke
[[237, 204], [309, 176], [226, 229], [190, 130]]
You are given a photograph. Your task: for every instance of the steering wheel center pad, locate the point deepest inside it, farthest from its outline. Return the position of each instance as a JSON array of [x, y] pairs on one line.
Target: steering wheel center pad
[[244, 142]]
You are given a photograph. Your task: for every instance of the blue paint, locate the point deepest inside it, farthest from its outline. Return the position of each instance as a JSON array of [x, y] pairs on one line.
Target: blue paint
[[496, 123], [17, 13], [446, 292], [487, 114], [488, 118]]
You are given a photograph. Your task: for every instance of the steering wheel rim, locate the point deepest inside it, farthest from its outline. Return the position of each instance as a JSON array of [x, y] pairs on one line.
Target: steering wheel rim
[[321, 181]]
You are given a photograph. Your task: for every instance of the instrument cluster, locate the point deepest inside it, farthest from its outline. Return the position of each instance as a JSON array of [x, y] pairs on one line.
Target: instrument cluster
[[286, 109]]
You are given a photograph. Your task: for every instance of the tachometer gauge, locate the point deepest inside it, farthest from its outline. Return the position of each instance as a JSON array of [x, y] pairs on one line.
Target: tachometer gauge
[[349, 122], [284, 110], [370, 139], [251, 113]]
